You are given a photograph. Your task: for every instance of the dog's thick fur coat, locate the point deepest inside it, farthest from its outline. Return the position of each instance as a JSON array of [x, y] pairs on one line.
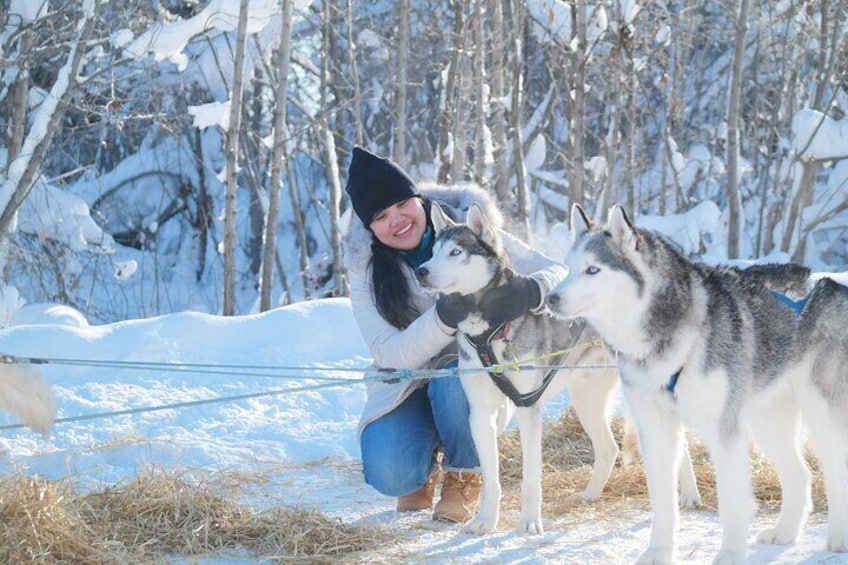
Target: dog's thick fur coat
[[469, 259], [714, 349]]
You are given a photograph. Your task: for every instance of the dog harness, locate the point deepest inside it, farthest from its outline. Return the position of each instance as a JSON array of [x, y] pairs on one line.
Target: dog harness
[[797, 306], [672, 382], [482, 344]]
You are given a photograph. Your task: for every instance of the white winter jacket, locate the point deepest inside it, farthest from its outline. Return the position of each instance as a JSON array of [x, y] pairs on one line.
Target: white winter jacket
[[421, 344]]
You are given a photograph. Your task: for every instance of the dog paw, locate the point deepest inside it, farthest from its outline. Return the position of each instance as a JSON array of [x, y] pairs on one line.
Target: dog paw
[[530, 526], [777, 536], [837, 542], [481, 525], [730, 557], [690, 500], [656, 556], [583, 496]]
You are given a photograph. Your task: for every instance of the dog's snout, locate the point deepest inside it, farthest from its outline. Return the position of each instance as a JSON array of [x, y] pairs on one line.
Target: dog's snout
[[552, 300], [421, 273]]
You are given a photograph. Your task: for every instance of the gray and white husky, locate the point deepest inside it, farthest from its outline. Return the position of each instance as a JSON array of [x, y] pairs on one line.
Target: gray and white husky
[[716, 350], [469, 258], [822, 387]]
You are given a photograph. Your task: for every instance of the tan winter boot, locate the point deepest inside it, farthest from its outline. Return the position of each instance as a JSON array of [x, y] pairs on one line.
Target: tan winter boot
[[460, 497], [421, 499]]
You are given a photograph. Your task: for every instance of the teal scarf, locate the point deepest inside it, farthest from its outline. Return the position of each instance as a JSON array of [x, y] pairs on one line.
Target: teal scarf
[[417, 257]]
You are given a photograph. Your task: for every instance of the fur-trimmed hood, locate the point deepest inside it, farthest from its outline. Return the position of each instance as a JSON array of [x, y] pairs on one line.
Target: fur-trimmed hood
[[454, 199]]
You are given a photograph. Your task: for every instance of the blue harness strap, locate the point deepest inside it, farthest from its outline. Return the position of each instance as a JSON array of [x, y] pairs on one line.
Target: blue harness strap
[[796, 305], [672, 382]]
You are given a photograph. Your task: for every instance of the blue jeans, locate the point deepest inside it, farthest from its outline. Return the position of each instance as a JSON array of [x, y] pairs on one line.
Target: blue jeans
[[399, 449]]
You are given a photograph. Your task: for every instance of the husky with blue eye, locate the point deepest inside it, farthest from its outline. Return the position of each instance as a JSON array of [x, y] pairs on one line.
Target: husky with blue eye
[[469, 258], [719, 351]]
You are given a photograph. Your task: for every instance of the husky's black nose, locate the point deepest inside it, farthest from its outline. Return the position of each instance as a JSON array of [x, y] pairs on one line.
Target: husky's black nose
[[421, 273], [552, 300]]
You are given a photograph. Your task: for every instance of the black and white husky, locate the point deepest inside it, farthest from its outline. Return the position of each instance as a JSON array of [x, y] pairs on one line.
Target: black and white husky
[[469, 258], [717, 351]]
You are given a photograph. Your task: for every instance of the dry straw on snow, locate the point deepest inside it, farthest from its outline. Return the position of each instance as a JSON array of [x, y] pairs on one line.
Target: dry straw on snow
[[157, 515], [161, 515], [567, 456]]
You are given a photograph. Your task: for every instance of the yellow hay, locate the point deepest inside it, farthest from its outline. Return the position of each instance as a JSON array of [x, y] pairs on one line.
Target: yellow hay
[[567, 457], [159, 514]]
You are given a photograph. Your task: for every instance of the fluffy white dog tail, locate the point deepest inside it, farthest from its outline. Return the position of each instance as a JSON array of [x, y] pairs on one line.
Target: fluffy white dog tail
[[24, 393]]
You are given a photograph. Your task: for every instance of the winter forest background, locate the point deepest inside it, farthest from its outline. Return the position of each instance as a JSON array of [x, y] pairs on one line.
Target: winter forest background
[[166, 155]]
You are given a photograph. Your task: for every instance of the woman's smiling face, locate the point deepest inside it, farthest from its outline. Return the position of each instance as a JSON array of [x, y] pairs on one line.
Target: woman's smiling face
[[401, 225]]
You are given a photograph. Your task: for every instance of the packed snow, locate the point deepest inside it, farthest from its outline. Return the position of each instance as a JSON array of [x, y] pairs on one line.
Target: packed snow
[[277, 395]]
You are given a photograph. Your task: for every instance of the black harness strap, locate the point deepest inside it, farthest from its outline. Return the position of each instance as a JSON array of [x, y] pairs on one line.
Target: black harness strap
[[483, 345]]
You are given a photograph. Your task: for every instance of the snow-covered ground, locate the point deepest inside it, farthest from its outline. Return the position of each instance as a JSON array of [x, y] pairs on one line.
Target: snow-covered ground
[[303, 444]]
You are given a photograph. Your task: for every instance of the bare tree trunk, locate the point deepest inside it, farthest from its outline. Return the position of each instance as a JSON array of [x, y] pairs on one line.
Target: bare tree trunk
[[447, 110], [460, 123], [513, 16], [803, 194], [670, 109], [334, 205], [578, 106], [256, 204], [21, 171], [400, 102], [204, 206], [608, 185], [331, 164], [232, 145], [20, 98], [633, 199], [480, 135], [733, 110], [354, 78], [770, 213], [279, 154], [497, 85]]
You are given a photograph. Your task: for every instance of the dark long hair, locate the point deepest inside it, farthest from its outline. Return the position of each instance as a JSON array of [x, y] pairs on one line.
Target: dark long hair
[[392, 294]]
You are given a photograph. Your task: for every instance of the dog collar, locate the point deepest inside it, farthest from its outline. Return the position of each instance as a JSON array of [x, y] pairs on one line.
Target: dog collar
[[501, 332], [672, 382]]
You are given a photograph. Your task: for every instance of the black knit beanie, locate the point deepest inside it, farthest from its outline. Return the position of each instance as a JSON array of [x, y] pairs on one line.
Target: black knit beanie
[[375, 183]]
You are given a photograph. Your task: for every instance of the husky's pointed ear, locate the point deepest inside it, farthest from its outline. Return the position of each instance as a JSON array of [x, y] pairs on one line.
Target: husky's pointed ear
[[580, 222], [622, 230], [481, 226], [439, 218]]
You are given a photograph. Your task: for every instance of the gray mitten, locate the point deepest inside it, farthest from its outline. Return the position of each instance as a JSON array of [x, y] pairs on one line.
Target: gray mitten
[[454, 308]]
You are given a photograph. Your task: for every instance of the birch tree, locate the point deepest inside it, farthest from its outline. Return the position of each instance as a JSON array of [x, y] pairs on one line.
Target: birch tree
[[331, 163], [578, 102], [447, 101], [827, 56], [607, 186], [22, 170], [279, 154], [401, 86], [497, 91], [354, 76], [480, 102], [459, 131], [733, 116], [513, 16], [232, 145]]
